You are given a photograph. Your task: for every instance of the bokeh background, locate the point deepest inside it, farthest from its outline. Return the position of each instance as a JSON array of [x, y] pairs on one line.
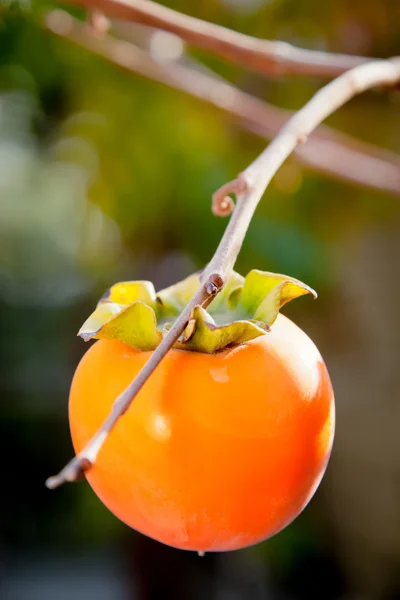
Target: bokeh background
[[106, 176]]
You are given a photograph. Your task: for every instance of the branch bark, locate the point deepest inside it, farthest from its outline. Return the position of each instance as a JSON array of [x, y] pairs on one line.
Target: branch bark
[[328, 152], [264, 56], [249, 188]]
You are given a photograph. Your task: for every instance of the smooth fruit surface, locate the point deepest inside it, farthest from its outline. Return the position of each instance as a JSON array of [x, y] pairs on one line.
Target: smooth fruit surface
[[217, 451]]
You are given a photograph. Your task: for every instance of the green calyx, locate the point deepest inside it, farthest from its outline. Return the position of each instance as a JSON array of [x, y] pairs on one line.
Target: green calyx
[[132, 312]]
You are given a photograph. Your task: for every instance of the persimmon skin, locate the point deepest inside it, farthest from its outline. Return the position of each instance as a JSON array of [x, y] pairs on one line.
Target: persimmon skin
[[217, 452]]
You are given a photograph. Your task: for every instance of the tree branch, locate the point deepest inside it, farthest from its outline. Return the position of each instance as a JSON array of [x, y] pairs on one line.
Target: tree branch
[[329, 152], [76, 468], [272, 58], [253, 182]]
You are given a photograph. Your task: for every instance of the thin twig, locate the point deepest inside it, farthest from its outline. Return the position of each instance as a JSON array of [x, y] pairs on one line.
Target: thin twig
[[270, 57], [329, 152], [253, 182], [75, 469]]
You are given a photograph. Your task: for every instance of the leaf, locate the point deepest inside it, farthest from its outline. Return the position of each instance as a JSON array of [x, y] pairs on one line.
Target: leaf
[[209, 337], [135, 325], [171, 301], [103, 314], [127, 292], [264, 293], [280, 295]]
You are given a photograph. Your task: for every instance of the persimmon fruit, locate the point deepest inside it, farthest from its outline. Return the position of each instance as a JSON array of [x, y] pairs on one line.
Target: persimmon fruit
[[219, 450]]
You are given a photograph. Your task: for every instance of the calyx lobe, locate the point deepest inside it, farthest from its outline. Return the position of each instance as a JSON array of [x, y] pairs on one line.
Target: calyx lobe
[[132, 312]]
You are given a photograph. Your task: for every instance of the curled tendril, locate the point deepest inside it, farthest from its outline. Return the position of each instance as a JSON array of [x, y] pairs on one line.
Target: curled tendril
[[222, 203]]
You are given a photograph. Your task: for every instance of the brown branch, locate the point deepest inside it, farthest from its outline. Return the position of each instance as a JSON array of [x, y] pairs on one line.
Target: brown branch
[[327, 151], [98, 21], [253, 182], [273, 58]]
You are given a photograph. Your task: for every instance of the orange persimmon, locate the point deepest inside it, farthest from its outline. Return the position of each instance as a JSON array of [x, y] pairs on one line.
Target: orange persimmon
[[219, 450]]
